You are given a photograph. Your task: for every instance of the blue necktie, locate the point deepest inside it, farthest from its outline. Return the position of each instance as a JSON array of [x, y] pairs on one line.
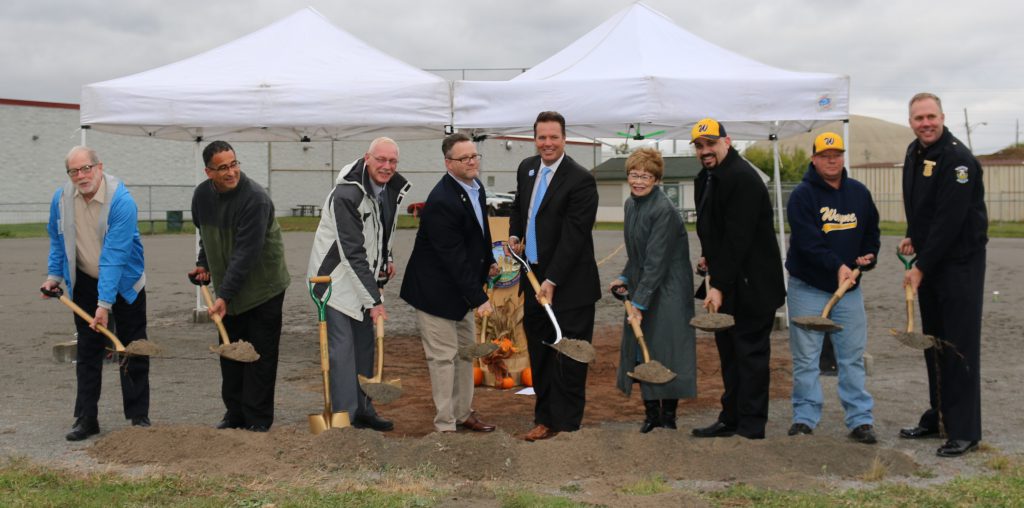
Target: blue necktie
[[531, 227]]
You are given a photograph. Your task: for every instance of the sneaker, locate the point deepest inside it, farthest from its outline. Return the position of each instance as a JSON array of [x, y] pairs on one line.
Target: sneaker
[[864, 434], [800, 428]]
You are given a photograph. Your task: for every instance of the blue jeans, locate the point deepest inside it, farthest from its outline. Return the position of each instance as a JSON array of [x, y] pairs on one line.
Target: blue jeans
[[806, 300]]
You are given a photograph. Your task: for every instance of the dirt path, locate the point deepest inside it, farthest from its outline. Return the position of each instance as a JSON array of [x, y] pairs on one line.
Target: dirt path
[[38, 396]]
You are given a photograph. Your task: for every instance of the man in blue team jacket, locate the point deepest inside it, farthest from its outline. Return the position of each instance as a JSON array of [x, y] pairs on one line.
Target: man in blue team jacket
[[95, 248], [834, 224]]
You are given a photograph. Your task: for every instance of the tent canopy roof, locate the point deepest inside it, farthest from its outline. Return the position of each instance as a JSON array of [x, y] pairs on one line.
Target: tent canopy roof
[[300, 77], [639, 67]]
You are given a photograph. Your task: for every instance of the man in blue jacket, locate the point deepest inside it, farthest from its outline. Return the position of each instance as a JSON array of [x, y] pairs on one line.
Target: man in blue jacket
[[95, 248], [450, 262], [834, 224]]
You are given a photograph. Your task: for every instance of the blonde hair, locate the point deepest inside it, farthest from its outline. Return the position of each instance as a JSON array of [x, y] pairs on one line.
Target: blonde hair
[[646, 159]]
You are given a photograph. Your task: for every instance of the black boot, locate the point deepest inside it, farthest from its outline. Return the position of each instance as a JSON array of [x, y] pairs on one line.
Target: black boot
[[668, 413], [652, 408]]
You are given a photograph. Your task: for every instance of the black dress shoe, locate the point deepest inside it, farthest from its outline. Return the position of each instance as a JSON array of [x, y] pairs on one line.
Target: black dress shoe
[[864, 434], [258, 428], [956, 448], [918, 432], [372, 422], [717, 429], [230, 424], [800, 428], [140, 421], [84, 427]]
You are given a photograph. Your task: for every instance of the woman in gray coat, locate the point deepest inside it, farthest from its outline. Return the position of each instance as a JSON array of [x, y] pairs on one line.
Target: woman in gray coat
[[660, 283]]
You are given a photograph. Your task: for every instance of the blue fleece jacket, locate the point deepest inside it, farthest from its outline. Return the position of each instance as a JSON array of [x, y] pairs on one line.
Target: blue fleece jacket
[[122, 262], [829, 228]]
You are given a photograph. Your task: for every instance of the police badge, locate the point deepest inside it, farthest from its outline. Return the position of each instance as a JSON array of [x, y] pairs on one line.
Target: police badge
[[961, 174], [928, 167]]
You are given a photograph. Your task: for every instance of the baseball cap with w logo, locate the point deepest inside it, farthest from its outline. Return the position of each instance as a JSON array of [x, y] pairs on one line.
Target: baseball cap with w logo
[[707, 128], [828, 141]]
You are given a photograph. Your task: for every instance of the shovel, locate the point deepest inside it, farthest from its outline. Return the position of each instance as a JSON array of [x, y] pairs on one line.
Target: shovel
[[484, 347], [911, 338], [140, 347], [651, 371], [379, 391], [240, 351], [822, 323], [712, 321], [579, 350], [328, 419]]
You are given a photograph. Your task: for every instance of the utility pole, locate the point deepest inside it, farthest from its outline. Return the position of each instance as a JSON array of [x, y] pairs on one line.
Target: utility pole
[[967, 127]]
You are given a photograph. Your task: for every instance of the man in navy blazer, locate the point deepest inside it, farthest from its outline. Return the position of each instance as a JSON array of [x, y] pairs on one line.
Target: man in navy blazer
[[554, 210], [450, 262]]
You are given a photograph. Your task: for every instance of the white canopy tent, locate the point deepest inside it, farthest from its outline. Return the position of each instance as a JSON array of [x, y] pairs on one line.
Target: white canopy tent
[[640, 70], [300, 78]]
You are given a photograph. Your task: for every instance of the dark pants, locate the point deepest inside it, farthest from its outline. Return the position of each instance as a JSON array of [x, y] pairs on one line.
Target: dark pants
[[744, 351], [248, 388], [128, 322], [951, 308], [559, 381]]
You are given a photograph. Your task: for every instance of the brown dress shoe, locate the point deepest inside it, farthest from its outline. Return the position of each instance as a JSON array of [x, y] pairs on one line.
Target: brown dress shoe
[[474, 424], [540, 432]]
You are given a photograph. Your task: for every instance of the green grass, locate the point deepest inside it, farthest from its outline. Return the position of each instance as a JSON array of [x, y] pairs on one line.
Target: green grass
[[24, 484], [995, 229]]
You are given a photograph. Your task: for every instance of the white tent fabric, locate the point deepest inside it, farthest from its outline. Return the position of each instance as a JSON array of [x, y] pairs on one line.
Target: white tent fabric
[[638, 67], [300, 77]]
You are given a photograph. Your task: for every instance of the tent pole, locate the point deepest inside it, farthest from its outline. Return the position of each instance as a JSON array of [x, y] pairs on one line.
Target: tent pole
[[778, 209], [200, 309], [846, 143]]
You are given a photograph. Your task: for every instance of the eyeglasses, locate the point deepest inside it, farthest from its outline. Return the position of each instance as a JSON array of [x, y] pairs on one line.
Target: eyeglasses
[[467, 159], [85, 170], [224, 167], [385, 160], [643, 177]]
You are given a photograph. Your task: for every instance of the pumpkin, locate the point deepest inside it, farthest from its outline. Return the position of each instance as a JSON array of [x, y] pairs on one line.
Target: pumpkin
[[506, 383], [478, 376], [526, 377]]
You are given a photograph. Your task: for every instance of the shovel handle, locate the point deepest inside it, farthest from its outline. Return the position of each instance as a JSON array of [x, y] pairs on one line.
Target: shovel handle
[[909, 291], [214, 316], [85, 315], [536, 288], [320, 279], [843, 288], [637, 331]]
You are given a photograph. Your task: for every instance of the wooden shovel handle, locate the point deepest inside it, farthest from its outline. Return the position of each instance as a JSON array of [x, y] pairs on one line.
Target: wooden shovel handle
[[320, 279], [378, 366], [536, 287], [637, 331], [89, 319], [909, 291], [214, 316], [843, 288]]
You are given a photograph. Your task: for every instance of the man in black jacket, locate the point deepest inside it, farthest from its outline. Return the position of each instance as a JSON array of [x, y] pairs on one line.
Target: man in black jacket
[[552, 218], [740, 254], [947, 228], [450, 262]]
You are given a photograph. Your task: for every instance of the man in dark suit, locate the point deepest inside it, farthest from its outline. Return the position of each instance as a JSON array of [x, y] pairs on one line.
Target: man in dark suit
[[450, 262], [740, 254], [553, 217]]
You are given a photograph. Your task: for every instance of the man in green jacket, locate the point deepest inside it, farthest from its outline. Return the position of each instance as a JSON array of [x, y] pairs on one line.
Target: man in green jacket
[[240, 248]]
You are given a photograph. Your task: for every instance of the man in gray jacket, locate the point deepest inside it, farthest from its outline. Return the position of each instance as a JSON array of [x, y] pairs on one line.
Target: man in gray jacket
[[353, 246]]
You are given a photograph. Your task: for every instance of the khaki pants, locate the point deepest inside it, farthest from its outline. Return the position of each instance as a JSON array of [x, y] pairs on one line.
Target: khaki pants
[[451, 377]]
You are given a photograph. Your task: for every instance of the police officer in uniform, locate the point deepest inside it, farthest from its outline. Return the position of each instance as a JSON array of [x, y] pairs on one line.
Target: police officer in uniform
[[947, 225]]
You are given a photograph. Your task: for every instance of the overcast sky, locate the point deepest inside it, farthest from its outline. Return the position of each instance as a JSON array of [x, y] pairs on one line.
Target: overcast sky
[[971, 53]]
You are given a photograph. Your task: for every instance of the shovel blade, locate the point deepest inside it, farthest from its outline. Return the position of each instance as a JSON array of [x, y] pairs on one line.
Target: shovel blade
[[816, 324], [318, 424], [383, 393], [579, 350], [652, 372], [713, 322], [340, 420]]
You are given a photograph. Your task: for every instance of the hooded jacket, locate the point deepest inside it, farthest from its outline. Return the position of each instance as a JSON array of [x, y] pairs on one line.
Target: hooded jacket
[[122, 264], [350, 243], [829, 228]]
